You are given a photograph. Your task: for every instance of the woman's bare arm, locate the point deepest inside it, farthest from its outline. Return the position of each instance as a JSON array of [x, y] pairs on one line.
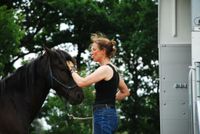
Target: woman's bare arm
[[123, 90]]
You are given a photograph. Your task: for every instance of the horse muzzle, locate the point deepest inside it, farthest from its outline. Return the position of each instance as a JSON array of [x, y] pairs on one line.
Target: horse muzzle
[[76, 96]]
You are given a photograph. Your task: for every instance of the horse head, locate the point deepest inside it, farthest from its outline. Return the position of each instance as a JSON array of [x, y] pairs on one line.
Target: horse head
[[60, 78]]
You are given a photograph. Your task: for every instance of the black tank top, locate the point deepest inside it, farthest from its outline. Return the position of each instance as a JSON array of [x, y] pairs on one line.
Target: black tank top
[[106, 90]]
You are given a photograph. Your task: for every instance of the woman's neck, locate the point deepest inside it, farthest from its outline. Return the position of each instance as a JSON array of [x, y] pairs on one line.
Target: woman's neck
[[104, 61]]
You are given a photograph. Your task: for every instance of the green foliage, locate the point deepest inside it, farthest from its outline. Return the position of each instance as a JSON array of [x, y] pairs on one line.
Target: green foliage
[[10, 36], [138, 51]]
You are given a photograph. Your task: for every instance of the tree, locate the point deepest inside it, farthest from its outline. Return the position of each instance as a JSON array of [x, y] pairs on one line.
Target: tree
[[10, 36], [139, 53]]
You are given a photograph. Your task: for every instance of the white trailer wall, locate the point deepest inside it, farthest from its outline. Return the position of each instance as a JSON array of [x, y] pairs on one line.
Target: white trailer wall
[[174, 59]]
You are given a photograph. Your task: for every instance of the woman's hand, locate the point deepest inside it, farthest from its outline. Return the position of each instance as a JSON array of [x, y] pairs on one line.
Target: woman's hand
[[71, 66]]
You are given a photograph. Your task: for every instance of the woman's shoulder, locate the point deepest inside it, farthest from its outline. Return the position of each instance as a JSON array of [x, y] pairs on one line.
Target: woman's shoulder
[[119, 71], [113, 66]]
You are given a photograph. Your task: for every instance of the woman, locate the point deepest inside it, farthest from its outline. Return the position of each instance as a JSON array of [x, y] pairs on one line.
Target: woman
[[107, 81]]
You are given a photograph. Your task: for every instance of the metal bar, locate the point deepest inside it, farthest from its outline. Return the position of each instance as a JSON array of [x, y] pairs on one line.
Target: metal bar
[[197, 88], [197, 66], [194, 103], [198, 116], [174, 18], [190, 85]]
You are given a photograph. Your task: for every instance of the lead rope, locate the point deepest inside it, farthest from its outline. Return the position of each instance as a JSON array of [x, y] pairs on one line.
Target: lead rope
[[68, 87]]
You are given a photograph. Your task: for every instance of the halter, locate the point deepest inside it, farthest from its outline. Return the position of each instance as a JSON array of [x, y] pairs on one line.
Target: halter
[[59, 82]]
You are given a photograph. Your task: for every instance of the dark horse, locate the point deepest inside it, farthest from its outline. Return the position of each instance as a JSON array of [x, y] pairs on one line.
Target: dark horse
[[23, 93]]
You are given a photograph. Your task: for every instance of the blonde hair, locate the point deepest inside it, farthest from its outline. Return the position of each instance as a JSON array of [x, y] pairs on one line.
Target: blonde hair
[[104, 43]]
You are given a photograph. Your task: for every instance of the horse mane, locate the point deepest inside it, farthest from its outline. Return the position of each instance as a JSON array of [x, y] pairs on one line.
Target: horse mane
[[2, 86], [24, 74]]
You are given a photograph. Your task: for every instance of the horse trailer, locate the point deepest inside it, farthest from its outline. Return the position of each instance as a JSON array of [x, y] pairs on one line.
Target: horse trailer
[[179, 66]]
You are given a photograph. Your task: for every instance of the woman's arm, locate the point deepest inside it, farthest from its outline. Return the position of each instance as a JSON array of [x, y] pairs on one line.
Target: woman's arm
[[101, 73], [123, 90]]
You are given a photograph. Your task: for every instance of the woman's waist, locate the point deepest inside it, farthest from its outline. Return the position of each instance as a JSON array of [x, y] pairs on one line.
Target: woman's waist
[[101, 106]]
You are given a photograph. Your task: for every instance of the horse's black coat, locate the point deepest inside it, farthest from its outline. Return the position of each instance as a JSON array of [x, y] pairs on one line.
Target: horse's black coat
[[23, 93]]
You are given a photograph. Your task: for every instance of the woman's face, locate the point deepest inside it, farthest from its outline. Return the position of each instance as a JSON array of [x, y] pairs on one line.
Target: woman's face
[[96, 53]]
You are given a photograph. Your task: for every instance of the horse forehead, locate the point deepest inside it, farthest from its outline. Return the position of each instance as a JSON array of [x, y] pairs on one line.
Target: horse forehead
[[63, 55]]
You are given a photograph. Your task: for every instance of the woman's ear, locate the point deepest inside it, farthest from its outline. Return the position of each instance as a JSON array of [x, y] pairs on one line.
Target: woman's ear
[[104, 50]]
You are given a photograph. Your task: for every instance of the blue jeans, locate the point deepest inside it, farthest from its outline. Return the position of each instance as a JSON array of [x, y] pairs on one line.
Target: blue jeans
[[105, 121]]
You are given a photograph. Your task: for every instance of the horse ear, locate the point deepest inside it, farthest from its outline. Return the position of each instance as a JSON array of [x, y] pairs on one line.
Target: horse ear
[[48, 50]]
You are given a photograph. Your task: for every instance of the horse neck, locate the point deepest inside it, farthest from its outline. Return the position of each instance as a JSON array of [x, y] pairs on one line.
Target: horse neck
[[28, 88]]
